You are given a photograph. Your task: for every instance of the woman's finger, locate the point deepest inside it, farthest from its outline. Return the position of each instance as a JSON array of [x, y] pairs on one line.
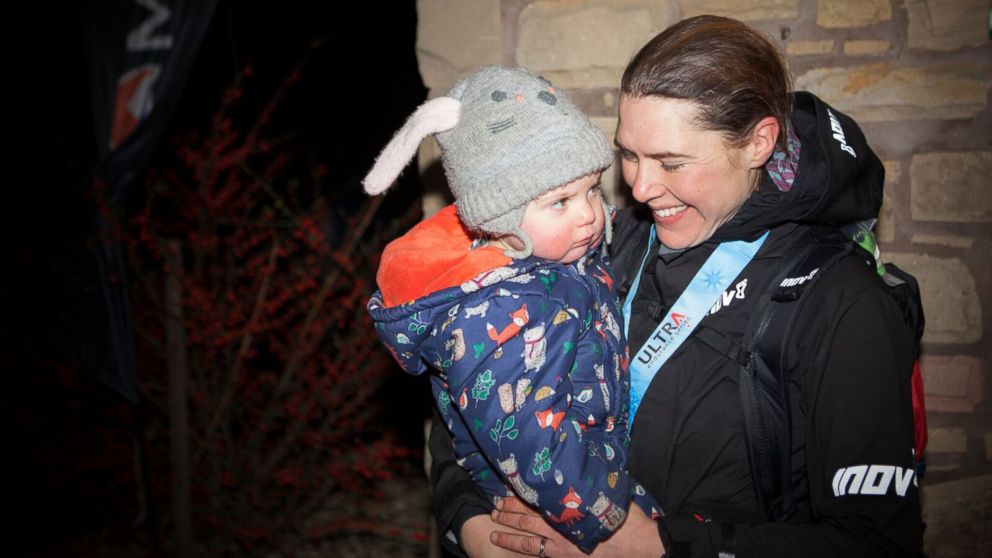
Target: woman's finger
[[513, 504], [524, 544], [523, 522], [475, 539]]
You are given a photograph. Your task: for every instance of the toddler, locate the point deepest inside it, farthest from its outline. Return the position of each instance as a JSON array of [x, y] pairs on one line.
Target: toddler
[[506, 299]]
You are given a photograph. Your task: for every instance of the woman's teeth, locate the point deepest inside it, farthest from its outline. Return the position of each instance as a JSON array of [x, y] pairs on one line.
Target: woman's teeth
[[670, 211]]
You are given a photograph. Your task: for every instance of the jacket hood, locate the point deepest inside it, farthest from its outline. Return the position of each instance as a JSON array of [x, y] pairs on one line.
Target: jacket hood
[[839, 179], [409, 330], [433, 272], [435, 254]]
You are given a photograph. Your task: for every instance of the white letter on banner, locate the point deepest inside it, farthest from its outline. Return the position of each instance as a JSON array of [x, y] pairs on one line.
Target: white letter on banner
[[142, 37]]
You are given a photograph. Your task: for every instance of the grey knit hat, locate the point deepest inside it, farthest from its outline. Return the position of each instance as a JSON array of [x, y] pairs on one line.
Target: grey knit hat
[[506, 136]]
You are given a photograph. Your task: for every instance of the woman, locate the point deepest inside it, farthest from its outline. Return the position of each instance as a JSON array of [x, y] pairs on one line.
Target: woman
[[717, 151]]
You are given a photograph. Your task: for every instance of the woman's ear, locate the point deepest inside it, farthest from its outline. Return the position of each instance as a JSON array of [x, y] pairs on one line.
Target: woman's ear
[[763, 140]]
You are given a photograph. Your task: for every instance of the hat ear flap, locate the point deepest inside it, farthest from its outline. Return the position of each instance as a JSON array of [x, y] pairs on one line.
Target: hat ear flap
[[609, 212], [436, 115]]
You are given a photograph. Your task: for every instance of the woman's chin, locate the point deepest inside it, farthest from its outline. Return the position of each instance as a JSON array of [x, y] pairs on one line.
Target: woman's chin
[[676, 240]]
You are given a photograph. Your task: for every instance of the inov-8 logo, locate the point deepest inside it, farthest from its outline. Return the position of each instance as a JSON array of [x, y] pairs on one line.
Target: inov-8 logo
[[872, 480]]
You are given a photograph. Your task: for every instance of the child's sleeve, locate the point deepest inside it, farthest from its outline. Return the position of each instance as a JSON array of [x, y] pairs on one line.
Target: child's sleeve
[[514, 387]]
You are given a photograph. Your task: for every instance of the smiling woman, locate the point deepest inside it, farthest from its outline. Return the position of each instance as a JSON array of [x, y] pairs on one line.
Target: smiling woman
[[734, 175], [690, 178]]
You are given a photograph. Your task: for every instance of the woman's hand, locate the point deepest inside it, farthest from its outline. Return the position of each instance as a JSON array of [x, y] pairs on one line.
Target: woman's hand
[[638, 536], [476, 542]]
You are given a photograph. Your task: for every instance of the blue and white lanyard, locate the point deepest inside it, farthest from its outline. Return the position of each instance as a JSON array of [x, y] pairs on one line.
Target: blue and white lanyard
[[716, 274]]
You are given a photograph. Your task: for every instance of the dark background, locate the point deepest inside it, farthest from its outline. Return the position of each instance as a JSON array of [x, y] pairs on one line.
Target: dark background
[[68, 460]]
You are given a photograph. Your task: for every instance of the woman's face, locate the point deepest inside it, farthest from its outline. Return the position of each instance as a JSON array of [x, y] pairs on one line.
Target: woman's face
[[690, 178]]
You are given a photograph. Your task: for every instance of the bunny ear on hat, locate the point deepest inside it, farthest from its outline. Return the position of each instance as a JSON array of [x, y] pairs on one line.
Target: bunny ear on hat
[[436, 115]]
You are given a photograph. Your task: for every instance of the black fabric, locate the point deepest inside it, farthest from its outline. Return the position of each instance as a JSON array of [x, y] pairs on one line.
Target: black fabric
[[764, 368], [850, 401], [728, 540]]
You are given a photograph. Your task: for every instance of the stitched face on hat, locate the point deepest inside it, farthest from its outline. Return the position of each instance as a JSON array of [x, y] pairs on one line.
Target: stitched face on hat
[[518, 137]]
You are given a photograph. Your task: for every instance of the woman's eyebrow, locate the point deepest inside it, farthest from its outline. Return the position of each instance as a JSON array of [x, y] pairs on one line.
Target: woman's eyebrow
[[661, 155], [666, 155]]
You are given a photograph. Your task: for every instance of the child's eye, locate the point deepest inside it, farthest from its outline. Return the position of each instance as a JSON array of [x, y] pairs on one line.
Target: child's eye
[[559, 204]]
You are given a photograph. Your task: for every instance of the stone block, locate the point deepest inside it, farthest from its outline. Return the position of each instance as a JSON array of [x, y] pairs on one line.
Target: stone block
[[807, 48], [885, 229], [951, 384], [608, 124], [852, 13], [893, 173], [863, 48], [951, 187], [958, 515], [950, 299], [612, 179], [941, 468], [947, 440], [946, 240], [747, 10], [585, 43], [610, 101], [947, 24], [888, 92], [454, 37], [435, 187]]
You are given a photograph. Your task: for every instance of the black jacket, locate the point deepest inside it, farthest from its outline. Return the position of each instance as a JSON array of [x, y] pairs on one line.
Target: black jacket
[[850, 395]]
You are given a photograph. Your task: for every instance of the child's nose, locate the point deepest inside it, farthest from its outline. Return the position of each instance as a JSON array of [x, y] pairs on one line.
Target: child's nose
[[587, 213]]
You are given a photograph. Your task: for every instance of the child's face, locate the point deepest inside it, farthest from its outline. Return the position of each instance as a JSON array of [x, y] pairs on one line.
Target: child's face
[[563, 223]]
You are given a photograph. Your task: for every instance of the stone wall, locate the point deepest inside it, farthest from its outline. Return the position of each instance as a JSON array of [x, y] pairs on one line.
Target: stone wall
[[915, 73]]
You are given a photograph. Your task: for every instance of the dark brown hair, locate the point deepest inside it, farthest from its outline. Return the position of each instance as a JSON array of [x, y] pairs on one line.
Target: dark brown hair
[[733, 72]]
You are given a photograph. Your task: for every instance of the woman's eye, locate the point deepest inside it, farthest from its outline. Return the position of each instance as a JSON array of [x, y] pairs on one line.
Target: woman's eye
[[668, 167], [628, 156]]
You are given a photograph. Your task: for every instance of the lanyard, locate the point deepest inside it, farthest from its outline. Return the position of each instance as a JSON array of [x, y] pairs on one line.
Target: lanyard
[[715, 275]]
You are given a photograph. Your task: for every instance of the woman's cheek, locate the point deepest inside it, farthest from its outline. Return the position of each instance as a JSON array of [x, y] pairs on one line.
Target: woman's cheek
[[629, 171]]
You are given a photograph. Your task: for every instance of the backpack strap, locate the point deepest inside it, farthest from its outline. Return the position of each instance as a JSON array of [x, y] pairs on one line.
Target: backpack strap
[[764, 365], [906, 291]]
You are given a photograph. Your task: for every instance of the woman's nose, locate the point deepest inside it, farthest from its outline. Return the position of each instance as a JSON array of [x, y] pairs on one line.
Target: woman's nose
[[646, 184]]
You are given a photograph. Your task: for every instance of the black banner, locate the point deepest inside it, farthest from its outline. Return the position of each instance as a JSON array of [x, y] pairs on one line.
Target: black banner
[[140, 53]]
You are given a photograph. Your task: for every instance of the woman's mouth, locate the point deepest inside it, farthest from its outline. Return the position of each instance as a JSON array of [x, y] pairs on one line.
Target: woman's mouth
[[670, 211], [669, 214]]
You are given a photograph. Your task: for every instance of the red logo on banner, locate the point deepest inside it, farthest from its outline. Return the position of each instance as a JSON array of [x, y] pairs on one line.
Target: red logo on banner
[[134, 101], [677, 318]]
